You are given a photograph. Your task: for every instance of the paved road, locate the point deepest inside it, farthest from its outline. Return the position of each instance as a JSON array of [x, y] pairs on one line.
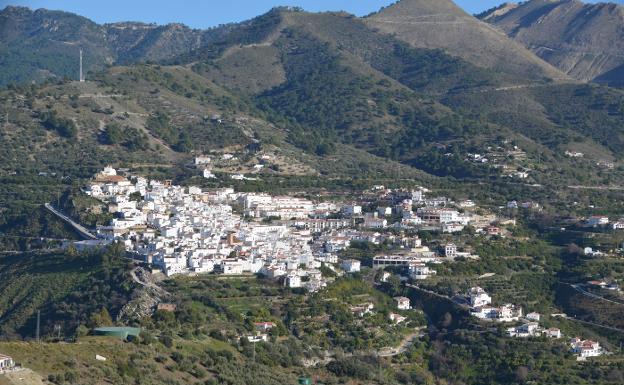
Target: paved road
[[78, 227], [594, 324], [578, 288]]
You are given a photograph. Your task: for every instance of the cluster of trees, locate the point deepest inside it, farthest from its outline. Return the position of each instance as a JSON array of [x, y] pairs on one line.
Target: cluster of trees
[[64, 127], [129, 137]]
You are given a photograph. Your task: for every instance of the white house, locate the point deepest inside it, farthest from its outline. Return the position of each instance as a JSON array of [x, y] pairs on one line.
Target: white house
[[530, 329], [533, 316], [478, 297], [403, 303], [375, 223], [450, 250], [351, 210], [202, 160], [452, 227], [351, 265], [208, 174], [552, 333], [397, 318], [108, 171], [618, 225], [420, 271], [232, 267], [257, 338], [293, 281], [597, 220], [585, 348], [6, 363]]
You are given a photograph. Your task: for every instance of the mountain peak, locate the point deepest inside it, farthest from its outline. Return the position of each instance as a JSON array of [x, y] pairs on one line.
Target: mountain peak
[[416, 8], [584, 40], [443, 25]]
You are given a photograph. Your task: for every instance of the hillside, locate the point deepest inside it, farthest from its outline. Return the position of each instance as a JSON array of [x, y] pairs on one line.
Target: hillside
[[41, 44], [586, 41], [317, 88], [334, 102], [442, 24], [67, 288]]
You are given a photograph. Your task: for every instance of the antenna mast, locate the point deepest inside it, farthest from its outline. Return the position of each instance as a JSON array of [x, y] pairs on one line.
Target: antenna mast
[[81, 78]]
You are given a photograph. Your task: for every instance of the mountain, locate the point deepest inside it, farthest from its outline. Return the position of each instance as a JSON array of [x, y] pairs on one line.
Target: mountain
[[41, 44], [442, 24], [586, 41]]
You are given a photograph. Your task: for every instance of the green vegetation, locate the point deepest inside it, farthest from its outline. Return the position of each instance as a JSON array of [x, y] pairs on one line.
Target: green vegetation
[[64, 127], [129, 137], [67, 287]]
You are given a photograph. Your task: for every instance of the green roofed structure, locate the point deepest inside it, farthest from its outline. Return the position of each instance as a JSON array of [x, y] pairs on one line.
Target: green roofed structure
[[125, 333]]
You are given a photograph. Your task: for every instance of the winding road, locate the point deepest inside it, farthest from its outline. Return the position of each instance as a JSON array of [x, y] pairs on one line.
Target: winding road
[[83, 231]]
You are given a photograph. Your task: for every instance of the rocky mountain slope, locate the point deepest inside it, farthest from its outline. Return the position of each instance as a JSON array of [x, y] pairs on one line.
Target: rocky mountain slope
[[442, 24], [320, 87], [586, 41]]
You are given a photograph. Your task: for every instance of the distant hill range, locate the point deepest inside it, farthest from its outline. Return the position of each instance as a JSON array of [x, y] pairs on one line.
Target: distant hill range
[[585, 41], [35, 45], [409, 90]]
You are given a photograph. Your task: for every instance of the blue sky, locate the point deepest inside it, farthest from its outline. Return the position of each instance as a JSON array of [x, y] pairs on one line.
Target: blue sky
[[207, 13]]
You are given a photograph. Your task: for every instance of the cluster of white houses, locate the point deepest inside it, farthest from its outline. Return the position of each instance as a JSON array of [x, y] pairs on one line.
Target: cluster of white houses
[[184, 230], [481, 307]]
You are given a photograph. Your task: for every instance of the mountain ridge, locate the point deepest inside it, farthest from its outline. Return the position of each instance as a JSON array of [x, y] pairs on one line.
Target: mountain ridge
[[583, 40], [442, 24]]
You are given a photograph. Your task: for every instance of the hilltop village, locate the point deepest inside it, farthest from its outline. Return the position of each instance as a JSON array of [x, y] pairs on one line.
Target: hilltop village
[[293, 240], [187, 230]]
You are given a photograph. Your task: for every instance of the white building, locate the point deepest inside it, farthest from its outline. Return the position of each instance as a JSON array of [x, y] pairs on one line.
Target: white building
[[232, 266], [597, 220], [530, 329], [553, 333], [396, 318], [292, 281], [450, 251], [618, 225], [352, 210], [202, 160], [585, 348], [375, 223], [350, 265], [478, 297], [420, 271], [403, 303], [6, 363], [450, 228]]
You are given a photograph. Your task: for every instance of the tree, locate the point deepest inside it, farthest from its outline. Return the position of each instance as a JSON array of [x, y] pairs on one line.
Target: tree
[[101, 318]]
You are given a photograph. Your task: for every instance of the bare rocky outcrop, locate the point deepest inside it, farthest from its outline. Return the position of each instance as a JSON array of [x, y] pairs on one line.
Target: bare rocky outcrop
[[146, 297], [586, 41]]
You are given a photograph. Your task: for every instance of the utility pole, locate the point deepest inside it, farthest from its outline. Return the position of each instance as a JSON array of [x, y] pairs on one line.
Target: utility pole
[[81, 78], [38, 325]]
